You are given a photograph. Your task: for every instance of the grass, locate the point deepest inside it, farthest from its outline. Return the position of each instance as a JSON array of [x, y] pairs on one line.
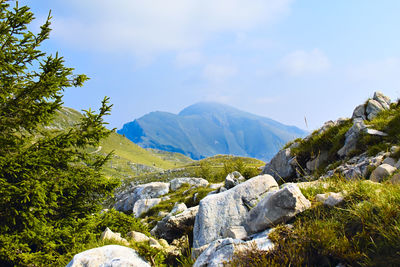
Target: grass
[[126, 155], [185, 194], [387, 121], [329, 141], [362, 231], [213, 169]]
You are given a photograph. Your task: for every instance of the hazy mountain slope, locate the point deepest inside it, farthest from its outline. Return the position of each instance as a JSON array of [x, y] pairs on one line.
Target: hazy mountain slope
[[206, 129]]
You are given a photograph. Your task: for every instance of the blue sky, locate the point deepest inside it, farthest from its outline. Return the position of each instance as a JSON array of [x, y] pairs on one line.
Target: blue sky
[[282, 59]]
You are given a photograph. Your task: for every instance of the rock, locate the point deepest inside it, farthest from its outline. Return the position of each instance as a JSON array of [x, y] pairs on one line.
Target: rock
[[144, 205], [382, 99], [359, 112], [381, 172], [373, 108], [221, 251], [217, 253], [222, 189], [137, 237], [276, 207], [221, 211], [108, 256], [178, 208], [195, 182], [397, 165], [351, 138], [374, 132], [390, 161], [126, 201], [395, 179], [233, 179], [314, 164], [236, 232], [216, 186], [162, 214], [330, 199], [280, 167], [154, 244], [172, 227], [110, 235], [394, 149]]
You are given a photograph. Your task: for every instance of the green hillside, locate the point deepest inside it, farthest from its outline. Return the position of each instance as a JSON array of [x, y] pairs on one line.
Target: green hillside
[[128, 159]]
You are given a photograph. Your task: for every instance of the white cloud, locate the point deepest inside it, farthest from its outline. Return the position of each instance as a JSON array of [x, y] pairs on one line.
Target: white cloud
[[219, 73], [301, 62], [151, 26]]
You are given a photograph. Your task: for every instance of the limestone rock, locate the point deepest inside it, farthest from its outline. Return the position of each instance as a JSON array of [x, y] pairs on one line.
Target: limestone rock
[[108, 256], [195, 182], [351, 138], [395, 179], [359, 112], [381, 172], [154, 244], [382, 99], [172, 227], [137, 236], [178, 208], [275, 208], [222, 250], [220, 211], [280, 166], [216, 186], [236, 232], [373, 108], [314, 164], [330, 199], [126, 201], [143, 205], [233, 179], [110, 235], [390, 161]]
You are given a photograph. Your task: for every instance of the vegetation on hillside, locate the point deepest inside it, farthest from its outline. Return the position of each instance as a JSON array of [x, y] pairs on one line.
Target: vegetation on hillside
[[51, 187]]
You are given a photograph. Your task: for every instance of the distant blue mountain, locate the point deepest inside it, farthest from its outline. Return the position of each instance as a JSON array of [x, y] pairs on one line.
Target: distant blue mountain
[[206, 129]]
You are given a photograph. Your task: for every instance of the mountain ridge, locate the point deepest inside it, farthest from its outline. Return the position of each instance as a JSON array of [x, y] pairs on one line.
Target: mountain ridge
[[208, 128]]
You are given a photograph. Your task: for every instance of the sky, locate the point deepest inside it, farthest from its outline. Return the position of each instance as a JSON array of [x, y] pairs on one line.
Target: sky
[[292, 61]]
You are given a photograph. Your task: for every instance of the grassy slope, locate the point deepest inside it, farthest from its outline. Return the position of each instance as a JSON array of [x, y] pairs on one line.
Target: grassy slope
[[125, 152]]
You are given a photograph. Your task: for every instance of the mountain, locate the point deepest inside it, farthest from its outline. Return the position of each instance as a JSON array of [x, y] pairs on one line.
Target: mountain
[[128, 158], [207, 128]]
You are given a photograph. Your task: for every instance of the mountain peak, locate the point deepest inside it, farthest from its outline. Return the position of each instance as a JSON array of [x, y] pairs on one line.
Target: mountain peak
[[202, 108]]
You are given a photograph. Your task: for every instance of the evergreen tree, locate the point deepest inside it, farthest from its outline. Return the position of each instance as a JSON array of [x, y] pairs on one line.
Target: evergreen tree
[[48, 180]]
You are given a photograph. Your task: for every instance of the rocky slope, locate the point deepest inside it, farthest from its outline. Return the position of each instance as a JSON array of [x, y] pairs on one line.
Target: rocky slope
[[206, 129], [331, 198]]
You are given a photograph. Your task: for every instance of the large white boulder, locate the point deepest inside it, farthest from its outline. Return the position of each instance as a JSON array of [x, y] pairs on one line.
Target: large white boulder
[[220, 211], [108, 256], [126, 201], [276, 207]]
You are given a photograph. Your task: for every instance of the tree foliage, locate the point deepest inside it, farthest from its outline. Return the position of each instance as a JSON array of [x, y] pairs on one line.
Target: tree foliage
[[48, 180]]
